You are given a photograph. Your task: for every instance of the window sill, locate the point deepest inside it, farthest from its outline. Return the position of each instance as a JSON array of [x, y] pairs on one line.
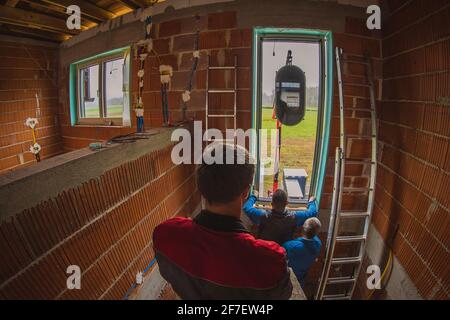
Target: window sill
[[81, 125], [71, 169]]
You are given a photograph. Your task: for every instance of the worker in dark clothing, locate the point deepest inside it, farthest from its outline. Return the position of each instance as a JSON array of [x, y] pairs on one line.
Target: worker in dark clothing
[[213, 256], [278, 224], [303, 252]]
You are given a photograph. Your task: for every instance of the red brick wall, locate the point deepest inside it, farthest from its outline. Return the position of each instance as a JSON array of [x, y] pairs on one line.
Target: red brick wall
[[356, 42], [103, 226], [27, 70], [413, 180]]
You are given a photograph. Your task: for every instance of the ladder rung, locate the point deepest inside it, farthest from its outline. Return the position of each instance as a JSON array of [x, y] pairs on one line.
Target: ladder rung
[[221, 115], [336, 297], [345, 260], [222, 68], [354, 189], [360, 136], [339, 280], [358, 161], [221, 140], [358, 109], [353, 61], [222, 91], [353, 214], [350, 238]]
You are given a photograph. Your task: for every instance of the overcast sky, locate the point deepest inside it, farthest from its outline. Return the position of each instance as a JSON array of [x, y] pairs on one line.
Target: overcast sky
[[304, 55]]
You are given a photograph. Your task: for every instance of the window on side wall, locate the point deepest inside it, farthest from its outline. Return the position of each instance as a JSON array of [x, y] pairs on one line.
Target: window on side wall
[[102, 91]]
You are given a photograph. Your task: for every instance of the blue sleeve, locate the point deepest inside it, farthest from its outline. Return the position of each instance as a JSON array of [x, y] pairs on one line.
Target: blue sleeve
[[302, 215], [319, 243], [253, 213]]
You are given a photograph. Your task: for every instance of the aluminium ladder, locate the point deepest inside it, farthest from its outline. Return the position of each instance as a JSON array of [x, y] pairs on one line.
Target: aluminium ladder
[[209, 91], [344, 285]]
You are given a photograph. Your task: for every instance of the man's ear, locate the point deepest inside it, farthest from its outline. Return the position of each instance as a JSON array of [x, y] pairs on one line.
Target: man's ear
[[246, 193]]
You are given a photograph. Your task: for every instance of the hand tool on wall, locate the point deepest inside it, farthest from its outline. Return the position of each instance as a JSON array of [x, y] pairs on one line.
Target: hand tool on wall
[[142, 49], [166, 73], [186, 96]]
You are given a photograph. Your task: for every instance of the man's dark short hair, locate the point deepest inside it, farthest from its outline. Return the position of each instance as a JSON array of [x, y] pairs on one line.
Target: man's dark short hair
[[279, 197], [222, 183]]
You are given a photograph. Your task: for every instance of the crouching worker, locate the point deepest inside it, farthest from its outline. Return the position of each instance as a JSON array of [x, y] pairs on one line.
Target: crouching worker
[[278, 224], [213, 256], [303, 252]]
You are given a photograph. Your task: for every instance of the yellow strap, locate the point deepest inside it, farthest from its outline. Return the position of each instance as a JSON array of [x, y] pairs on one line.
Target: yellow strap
[[34, 136]]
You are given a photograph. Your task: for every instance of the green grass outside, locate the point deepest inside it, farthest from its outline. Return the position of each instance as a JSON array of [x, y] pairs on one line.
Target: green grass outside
[[306, 128], [297, 144], [114, 111]]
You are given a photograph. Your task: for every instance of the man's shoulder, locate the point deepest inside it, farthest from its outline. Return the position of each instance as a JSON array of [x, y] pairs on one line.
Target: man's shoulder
[[166, 228], [317, 241], [265, 248], [176, 222], [294, 244], [301, 243], [254, 253]]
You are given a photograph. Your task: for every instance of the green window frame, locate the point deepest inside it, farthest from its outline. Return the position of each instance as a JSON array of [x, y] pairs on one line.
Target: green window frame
[[75, 89], [325, 39]]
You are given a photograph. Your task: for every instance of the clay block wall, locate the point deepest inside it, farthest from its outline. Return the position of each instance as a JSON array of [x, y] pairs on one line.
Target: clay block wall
[[220, 39], [174, 42], [356, 42], [412, 196], [103, 225], [27, 70]]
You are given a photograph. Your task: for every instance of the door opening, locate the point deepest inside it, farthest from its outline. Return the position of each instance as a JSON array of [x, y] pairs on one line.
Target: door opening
[[292, 101]]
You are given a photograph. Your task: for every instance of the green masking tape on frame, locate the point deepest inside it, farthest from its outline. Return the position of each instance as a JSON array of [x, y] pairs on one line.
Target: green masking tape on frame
[[326, 40]]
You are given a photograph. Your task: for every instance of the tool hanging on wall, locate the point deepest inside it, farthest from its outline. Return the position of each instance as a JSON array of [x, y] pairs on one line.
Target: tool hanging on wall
[[35, 148], [166, 73], [142, 49], [186, 96]]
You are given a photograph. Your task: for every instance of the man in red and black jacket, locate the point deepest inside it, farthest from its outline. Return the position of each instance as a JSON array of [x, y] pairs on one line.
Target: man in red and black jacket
[[213, 256]]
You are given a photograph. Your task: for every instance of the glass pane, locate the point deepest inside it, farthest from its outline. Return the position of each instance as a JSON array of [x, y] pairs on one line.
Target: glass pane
[[89, 93], [114, 88], [298, 142]]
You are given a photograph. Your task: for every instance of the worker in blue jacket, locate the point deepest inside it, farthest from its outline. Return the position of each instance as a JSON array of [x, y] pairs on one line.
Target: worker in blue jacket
[[304, 251], [278, 224]]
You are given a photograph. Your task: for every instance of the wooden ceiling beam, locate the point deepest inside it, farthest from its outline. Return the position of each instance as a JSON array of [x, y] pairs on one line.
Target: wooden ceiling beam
[[36, 20], [86, 7], [130, 4], [85, 19], [31, 33], [25, 25], [143, 3], [11, 3]]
